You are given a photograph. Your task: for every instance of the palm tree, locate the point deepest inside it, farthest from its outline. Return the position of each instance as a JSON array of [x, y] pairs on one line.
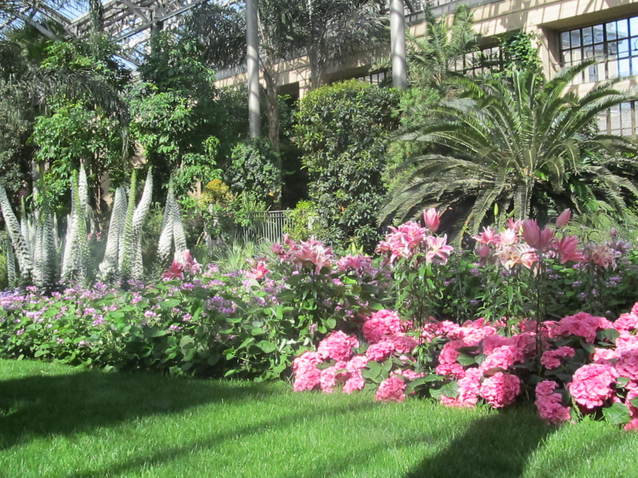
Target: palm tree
[[507, 146]]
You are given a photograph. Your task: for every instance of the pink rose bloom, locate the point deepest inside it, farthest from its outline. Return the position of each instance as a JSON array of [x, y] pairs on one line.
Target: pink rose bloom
[[583, 325], [627, 364], [355, 383], [468, 388], [380, 351], [392, 389], [551, 358], [549, 403], [501, 389], [381, 324], [591, 385], [501, 358], [338, 346]]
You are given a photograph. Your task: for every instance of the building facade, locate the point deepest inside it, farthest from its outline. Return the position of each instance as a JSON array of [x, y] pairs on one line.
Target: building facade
[[567, 33]]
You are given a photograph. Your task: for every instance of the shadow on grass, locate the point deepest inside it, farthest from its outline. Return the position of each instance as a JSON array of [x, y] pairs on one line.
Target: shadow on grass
[[169, 454], [498, 445], [64, 404]]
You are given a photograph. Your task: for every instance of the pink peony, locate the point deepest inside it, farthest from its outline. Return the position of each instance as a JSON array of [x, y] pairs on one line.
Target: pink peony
[[551, 358], [549, 403], [391, 389], [591, 385], [501, 389], [337, 346]]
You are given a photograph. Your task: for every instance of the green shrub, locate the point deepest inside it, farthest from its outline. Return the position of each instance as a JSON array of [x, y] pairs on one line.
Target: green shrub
[[253, 167], [341, 131], [3, 272], [303, 221]]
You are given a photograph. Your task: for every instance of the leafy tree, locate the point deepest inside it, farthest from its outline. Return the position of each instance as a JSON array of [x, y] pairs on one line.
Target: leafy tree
[[341, 131], [513, 147]]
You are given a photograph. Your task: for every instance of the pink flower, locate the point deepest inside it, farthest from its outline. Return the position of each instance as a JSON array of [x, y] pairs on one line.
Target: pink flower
[[583, 325], [391, 389], [438, 249], [381, 324], [408, 374], [431, 219], [627, 364], [380, 351], [355, 383], [535, 237], [403, 344], [468, 390], [551, 358], [501, 358], [567, 249], [602, 255], [605, 356], [501, 389], [360, 264], [190, 264], [591, 385], [627, 322], [488, 236], [337, 346], [563, 218], [403, 241], [259, 271], [549, 403], [357, 363], [330, 376], [175, 271]]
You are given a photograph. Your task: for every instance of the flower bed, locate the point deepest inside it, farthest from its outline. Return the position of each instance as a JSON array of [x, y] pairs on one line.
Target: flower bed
[[356, 321]]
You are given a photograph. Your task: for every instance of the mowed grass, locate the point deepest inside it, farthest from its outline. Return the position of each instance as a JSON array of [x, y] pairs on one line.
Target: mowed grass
[[59, 421]]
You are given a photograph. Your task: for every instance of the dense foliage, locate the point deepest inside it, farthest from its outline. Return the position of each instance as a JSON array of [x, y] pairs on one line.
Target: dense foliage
[[341, 130]]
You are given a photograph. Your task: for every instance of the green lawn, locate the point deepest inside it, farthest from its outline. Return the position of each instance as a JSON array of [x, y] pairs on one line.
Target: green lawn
[[58, 421]]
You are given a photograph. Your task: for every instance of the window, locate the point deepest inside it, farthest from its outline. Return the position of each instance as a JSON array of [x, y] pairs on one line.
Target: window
[[621, 119], [614, 46], [479, 62]]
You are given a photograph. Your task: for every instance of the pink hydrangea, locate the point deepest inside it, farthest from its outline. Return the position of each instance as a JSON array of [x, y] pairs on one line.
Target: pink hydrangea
[[627, 364], [408, 374], [355, 383], [502, 358], [501, 389], [392, 389], [626, 341], [381, 324], [551, 358], [307, 375], [468, 390], [357, 363], [337, 346], [493, 341], [380, 351], [549, 403], [605, 356], [591, 385], [626, 322], [403, 344], [582, 325]]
